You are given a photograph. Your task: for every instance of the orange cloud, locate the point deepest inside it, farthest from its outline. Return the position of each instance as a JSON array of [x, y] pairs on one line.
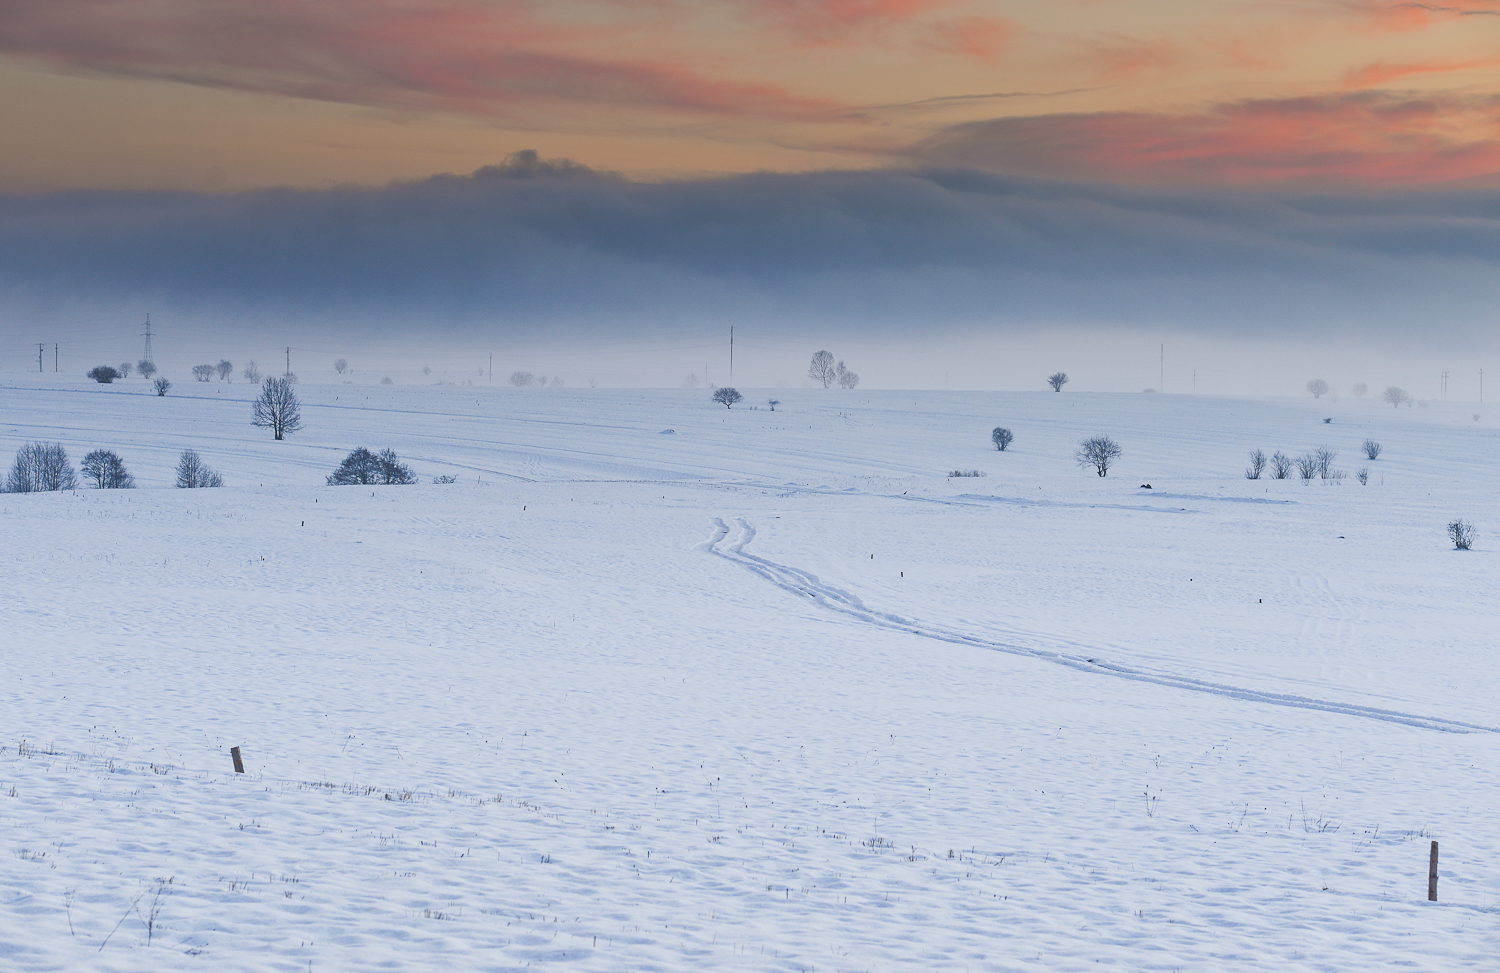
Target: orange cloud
[[1381, 72], [1407, 17], [1342, 141], [449, 55], [980, 37]]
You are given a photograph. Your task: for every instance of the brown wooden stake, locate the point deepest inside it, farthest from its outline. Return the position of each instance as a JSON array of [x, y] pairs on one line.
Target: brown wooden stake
[[1432, 875], [239, 768]]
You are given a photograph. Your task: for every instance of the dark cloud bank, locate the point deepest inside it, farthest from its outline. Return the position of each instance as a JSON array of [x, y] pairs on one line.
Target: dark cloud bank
[[535, 246]]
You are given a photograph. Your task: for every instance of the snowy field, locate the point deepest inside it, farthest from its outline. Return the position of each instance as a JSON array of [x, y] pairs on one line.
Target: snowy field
[[660, 686]]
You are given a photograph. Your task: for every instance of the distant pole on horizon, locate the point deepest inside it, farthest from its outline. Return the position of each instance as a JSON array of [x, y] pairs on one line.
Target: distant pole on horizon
[[288, 360], [492, 368], [54, 357], [1162, 378], [39, 347], [731, 354], [147, 326]]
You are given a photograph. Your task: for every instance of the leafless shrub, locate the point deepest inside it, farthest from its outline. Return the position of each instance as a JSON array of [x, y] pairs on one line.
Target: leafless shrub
[[966, 473], [1371, 449], [1318, 388], [161, 386], [193, 473], [1098, 452], [41, 468], [727, 397], [1001, 437], [1461, 533], [107, 471], [1363, 476], [523, 380], [203, 373], [125, 368], [1396, 395], [1307, 466], [846, 378], [1257, 465], [252, 371], [103, 374], [1281, 465], [1325, 455], [146, 367]]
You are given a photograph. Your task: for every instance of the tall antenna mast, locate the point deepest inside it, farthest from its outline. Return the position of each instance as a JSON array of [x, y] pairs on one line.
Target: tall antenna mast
[[148, 338]]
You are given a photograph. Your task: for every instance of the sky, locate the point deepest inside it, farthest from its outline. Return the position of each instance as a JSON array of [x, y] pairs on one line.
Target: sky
[[607, 187]]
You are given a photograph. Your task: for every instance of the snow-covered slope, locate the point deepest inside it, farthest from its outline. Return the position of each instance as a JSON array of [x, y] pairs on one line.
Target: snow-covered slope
[[656, 685]]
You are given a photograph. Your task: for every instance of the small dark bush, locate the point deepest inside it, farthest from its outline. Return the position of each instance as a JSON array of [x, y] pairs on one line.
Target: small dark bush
[[364, 468], [1001, 437], [1257, 465], [104, 374], [727, 396], [1461, 533], [161, 385], [1372, 449]]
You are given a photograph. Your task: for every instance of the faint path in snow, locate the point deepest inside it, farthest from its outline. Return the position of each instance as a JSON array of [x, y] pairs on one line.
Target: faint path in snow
[[805, 584]]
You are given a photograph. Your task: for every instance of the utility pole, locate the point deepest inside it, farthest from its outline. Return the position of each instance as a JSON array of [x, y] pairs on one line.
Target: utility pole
[[39, 346], [1445, 386], [54, 357], [148, 338], [288, 361]]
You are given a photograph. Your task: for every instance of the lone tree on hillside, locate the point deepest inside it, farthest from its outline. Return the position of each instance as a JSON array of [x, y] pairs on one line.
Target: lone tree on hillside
[[146, 367], [727, 396], [1395, 395], [125, 368], [847, 379], [161, 385], [193, 473], [1001, 437], [225, 368], [1098, 452], [103, 374], [822, 368], [104, 467], [277, 409], [341, 366], [39, 468], [1318, 388], [1057, 380]]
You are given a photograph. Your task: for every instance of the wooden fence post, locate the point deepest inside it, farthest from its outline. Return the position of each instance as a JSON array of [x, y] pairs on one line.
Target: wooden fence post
[[239, 768], [1432, 875]]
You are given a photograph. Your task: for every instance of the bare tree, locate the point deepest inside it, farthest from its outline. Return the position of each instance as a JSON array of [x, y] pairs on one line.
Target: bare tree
[[1325, 455], [277, 409], [1363, 476], [773, 403], [1257, 465], [1318, 388], [225, 368], [1461, 533], [822, 368], [1098, 452], [1372, 449], [1359, 389], [426, 369], [146, 367], [727, 396], [1395, 395], [107, 471], [1281, 465], [341, 366], [193, 473], [125, 368], [103, 374], [1057, 380], [846, 378], [161, 385], [41, 468], [522, 380], [1307, 466], [363, 468], [203, 373], [252, 371], [1001, 437]]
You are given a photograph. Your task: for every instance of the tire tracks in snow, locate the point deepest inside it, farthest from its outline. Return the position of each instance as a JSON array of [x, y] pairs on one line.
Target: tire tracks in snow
[[807, 585]]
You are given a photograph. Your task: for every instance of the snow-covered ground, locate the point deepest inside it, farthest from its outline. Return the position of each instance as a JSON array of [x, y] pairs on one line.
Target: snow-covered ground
[[660, 686]]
